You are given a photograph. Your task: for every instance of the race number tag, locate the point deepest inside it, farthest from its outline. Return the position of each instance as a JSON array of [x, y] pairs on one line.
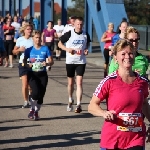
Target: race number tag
[[37, 66], [75, 52], [79, 52], [49, 39], [130, 122]]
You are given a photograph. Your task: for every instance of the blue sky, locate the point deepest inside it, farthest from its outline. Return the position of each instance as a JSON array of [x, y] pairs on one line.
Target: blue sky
[[26, 2]]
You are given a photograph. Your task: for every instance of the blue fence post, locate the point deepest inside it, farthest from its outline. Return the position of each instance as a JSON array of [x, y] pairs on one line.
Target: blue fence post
[[88, 24], [10, 7], [20, 7], [3, 8], [45, 13], [64, 12], [52, 10], [31, 8]]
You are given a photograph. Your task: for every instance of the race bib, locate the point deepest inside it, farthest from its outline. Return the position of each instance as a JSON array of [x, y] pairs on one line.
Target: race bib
[[8, 37], [49, 39], [37, 66], [130, 122], [79, 52]]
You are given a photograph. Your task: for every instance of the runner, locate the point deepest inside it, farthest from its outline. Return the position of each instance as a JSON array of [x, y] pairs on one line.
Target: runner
[[48, 36], [122, 27], [126, 93], [22, 43], [107, 38], [141, 63], [9, 32], [15, 24], [76, 48], [59, 29], [37, 76], [69, 26]]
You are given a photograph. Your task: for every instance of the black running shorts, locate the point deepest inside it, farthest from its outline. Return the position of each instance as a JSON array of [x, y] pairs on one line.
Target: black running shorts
[[72, 68]]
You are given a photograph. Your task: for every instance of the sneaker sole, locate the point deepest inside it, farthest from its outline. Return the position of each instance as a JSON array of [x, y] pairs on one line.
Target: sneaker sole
[[78, 111]]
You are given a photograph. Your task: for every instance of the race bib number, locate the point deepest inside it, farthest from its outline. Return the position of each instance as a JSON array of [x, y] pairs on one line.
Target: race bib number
[[79, 52], [130, 122], [8, 37], [37, 66], [49, 39]]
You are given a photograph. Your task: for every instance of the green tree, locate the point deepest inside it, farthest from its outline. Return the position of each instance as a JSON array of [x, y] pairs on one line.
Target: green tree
[[77, 9], [138, 11]]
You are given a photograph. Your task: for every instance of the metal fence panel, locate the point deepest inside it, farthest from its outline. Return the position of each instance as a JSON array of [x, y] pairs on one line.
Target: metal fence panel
[[143, 36]]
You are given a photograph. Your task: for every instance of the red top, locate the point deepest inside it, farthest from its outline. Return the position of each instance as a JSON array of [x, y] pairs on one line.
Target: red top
[[10, 28], [122, 98], [108, 43]]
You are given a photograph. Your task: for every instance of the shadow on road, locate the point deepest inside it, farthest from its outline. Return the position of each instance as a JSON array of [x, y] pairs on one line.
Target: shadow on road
[[73, 139]]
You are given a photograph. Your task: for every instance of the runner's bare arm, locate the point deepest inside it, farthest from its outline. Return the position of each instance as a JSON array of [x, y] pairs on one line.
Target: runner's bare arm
[[104, 38], [63, 47], [146, 109], [50, 60], [55, 35], [95, 109], [42, 38], [15, 50]]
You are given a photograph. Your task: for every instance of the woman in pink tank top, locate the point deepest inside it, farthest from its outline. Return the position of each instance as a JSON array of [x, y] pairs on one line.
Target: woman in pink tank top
[[107, 38]]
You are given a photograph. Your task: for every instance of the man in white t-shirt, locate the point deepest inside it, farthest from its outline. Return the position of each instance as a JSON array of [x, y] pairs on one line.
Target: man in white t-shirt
[[59, 29], [16, 24], [75, 42], [69, 26]]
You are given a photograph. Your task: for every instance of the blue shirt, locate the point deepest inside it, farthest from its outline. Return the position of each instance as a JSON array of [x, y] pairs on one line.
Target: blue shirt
[[35, 22], [17, 35], [37, 57], [115, 39]]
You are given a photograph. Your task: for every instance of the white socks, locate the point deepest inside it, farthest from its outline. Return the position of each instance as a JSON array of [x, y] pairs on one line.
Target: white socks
[[34, 105], [70, 99], [78, 103]]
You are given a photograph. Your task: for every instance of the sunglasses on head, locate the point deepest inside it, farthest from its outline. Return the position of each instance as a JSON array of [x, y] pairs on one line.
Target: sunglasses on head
[[134, 40]]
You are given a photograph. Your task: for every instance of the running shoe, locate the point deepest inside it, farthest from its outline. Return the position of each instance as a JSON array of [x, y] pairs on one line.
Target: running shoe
[[59, 58], [78, 109], [10, 66], [70, 106], [6, 65], [26, 105], [31, 114], [36, 116], [48, 68]]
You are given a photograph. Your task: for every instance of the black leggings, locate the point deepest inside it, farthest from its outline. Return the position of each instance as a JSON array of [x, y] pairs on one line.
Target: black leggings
[[50, 45], [38, 83], [9, 46], [106, 56]]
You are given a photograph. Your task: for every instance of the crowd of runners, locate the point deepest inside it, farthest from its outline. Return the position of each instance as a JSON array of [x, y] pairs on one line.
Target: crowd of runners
[[124, 87]]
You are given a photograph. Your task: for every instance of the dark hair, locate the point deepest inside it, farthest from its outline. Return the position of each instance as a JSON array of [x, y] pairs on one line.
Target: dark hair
[[73, 17], [51, 22], [123, 21], [79, 18]]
